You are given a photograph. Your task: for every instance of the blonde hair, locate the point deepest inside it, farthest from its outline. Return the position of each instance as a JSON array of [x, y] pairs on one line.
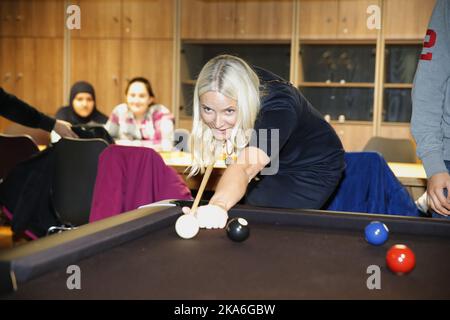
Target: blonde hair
[[234, 78]]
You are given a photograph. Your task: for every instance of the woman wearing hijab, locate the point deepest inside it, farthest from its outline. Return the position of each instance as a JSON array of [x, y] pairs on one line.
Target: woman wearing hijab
[[82, 108]]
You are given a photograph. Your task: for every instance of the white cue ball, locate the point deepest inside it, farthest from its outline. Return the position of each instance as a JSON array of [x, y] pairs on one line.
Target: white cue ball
[[187, 226]]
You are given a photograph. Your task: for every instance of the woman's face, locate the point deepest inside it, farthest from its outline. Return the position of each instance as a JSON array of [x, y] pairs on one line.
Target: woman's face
[[218, 112], [138, 99], [83, 104]]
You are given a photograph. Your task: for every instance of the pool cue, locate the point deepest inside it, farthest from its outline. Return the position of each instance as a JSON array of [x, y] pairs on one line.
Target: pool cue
[[202, 188]]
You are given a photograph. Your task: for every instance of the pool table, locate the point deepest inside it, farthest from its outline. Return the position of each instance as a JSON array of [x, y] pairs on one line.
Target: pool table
[[290, 254]]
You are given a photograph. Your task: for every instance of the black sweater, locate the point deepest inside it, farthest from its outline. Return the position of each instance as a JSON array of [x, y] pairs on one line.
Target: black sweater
[[18, 111]]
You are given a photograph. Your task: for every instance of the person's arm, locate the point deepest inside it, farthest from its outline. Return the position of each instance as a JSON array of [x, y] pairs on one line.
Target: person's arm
[[112, 125], [18, 111], [428, 96], [233, 184]]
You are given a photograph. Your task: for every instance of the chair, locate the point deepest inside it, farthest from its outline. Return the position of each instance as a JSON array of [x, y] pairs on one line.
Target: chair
[[393, 150], [74, 178], [130, 177], [181, 139], [40, 137], [368, 185], [15, 149]]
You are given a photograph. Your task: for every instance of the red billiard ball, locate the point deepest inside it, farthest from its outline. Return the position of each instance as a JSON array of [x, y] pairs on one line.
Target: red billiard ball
[[400, 259]]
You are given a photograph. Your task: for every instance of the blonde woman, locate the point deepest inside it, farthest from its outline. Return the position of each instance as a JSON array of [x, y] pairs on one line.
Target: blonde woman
[[141, 121], [286, 155]]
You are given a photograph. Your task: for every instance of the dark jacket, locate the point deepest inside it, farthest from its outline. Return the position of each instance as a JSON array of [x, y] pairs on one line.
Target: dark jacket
[[18, 111], [26, 193]]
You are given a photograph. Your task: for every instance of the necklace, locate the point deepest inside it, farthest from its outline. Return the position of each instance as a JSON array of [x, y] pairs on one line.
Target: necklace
[[229, 154]]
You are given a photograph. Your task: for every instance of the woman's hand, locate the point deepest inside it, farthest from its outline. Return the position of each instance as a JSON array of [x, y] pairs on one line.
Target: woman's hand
[[210, 216]]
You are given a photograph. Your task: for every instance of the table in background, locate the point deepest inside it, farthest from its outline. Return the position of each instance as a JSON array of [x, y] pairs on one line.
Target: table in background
[[411, 175]]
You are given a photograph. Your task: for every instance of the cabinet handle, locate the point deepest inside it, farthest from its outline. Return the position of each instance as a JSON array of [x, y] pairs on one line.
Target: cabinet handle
[[344, 19], [7, 76], [129, 19], [7, 18], [116, 19], [328, 20], [19, 18], [19, 76], [115, 79]]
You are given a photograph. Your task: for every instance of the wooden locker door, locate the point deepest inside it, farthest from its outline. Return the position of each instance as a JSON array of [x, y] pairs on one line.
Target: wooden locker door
[[208, 19], [98, 62], [39, 75], [25, 86], [8, 64], [353, 19], [354, 136], [7, 17], [399, 23], [268, 19], [151, 59], [48, 18], [148, 19], [7, 70], [99, 19], [48, 77], [318, 19]]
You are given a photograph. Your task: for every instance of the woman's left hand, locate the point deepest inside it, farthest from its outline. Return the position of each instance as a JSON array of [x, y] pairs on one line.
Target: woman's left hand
[[210, 216]]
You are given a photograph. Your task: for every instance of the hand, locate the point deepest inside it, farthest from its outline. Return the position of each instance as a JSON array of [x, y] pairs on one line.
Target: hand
[[435, 189], [63, 128], [210, 216]]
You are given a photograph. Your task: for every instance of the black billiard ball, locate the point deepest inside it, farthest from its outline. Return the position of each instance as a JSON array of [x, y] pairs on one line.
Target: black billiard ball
[[237, 229]]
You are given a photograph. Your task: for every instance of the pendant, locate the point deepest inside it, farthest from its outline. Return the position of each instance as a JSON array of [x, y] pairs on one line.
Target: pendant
[[228, 160]]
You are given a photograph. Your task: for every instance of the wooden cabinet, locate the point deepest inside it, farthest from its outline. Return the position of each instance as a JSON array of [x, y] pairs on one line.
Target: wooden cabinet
[[98, 62], [148, 19], [7, 64], [353, 19], [7, 17], [151, 59], [32, 18], [31, 69], [318, 19], [137, 41], [212, 19], [407, 19], [264, 19], [397, 130], [225, 19], [354, 136], [99, 19], [335, 19]]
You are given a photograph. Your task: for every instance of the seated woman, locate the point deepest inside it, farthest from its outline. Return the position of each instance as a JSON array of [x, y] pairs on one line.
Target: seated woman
[[282, 153], [82, 108], [141, 121]]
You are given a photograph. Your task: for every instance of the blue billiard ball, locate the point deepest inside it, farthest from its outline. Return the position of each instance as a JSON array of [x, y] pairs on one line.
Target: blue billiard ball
[[377, 233]]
